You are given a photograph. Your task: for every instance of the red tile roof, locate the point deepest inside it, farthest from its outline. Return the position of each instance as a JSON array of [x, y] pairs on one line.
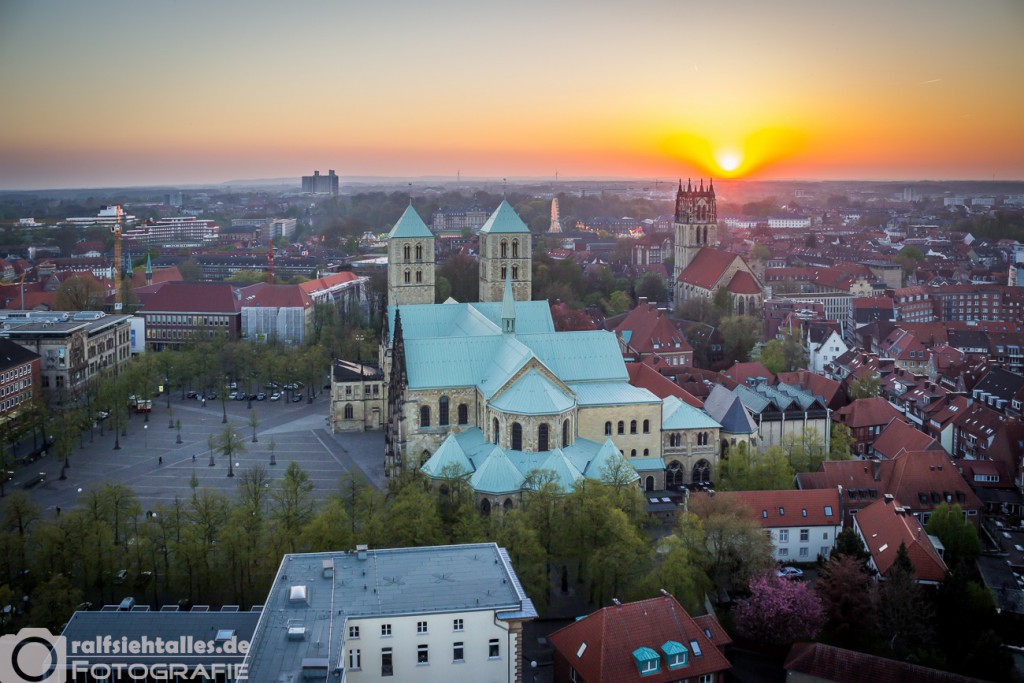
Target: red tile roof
[[612, 634], [819, 385], [275, 296], [744, 283], [707, 267], [741, 372], [645, 377], [193, 297], [828, 663], [647, 326], [898, 436], [884, 525], [327, 281], [796, 508], [866, 412]]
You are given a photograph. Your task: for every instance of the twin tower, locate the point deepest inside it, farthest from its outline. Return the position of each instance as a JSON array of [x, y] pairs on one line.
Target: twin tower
[[505, 248]]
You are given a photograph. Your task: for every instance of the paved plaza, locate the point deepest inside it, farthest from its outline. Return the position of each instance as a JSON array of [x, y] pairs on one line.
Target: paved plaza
[[299, 431]]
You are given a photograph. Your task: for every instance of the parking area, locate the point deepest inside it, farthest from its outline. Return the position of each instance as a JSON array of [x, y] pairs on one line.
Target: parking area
[[159, 468]]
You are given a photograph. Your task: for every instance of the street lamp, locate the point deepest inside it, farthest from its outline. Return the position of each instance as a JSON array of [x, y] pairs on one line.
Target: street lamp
[[231, 468], [145, 431]]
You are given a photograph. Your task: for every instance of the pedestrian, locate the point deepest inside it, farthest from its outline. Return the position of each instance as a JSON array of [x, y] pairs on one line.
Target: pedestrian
[[58, 511], [193, 457], [160, 460]]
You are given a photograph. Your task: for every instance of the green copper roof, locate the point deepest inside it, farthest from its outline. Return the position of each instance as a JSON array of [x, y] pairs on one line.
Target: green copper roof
[[579, 356], [533, 394], [532, 317], [676, 414], [449, 459], [564, 471], [497, 475], [504, 220], [508, 306], [453, 319], [611, 394], [607, 458], [410, 225]]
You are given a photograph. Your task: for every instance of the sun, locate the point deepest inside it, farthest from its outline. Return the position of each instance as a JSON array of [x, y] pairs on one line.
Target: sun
[[728, 160]]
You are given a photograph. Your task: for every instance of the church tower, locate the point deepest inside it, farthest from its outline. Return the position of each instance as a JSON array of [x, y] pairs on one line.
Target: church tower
[[410, 261], [695, 223], [505, 253]]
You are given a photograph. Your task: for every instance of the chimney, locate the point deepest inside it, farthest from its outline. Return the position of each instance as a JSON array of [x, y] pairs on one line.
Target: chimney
[[361, 551], [876, 470], [888, 498]]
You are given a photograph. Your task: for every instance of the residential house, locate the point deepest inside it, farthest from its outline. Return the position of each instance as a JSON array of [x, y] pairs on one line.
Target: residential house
[[182, 312], [821, 663], [865, 418], [357, 397], [824, 344], [884, 526], [647, 330]]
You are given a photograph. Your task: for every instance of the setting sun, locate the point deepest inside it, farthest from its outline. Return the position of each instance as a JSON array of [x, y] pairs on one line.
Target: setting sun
[[728, 160]]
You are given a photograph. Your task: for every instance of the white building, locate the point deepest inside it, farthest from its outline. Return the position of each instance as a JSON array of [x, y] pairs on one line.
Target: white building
[[789, 222], [823, 346], [434, 614]]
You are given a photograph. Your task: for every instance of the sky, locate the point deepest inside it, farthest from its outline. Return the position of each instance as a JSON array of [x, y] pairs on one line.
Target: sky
[[144, 92]]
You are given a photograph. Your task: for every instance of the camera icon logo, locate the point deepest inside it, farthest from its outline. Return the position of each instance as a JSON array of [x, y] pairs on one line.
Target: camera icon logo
[[33, 656]]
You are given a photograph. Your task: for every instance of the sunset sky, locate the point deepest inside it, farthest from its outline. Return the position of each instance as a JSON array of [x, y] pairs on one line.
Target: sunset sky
[[141, 92]]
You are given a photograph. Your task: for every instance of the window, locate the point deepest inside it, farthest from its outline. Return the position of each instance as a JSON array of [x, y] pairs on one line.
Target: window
[[463, 413], [783, 552], [542, 437], [828, 510], [504, 272], [422, 654], [517, 436], [421, 627], [504, 251], [496, 430], [805, 534], [458, 652], [632, 426], [804, 552], [783, 535], [621, 427], [608, 428], [348, 411], [515, 272], [407, 277], [386, 666], [515, 248], [706, 678], [385, 630], [572, 675], [419, 276], [406, 252], [419, 252], [355, 659], [565, 433], [353, 632], [442, 411], [647, 426], [424, 416], [493, 648], [457, 625]]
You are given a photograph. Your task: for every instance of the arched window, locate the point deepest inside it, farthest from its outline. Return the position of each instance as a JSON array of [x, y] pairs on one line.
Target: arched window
[[463, 414], [419, 276], [517, 436], [608, 428], [504, 249], [442, 411], [515, 272], [632, 453], [406, 252], [647, 426], [565, 433], [542, 436], [674, 474], [649, 485], [515, 248], [424, 457], [424, 416], [504, 272], [419, 252], [621, 427], [701, 472], [508, 504], [348, 411], [407, 277], [496, 430], [632, 426], [739, 307], [485, 507], [647, 451]]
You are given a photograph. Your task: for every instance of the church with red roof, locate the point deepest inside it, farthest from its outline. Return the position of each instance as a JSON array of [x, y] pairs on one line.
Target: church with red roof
[[701, 268]]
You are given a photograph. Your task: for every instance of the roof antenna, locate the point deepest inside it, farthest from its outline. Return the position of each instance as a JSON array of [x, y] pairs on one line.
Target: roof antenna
[[504, 187]]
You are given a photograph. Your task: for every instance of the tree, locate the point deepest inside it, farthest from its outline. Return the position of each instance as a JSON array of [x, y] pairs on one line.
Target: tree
[[844, 588], [956, 533], [848, 544], [779, 611], [840, 442], [79, 293], [652, 286], [678, 568], [760, 252], [412, 518], [461, 271], [747, 470], [732, 548], [740, 333], [805, 450], [618, 303], [773, 358], [865, 387], [230, 443], [292, 506], [722, 300], [905, 616], [254, 422]]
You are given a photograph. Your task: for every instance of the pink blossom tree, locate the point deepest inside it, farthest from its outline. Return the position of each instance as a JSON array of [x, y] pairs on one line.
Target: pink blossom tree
[[779, 611]]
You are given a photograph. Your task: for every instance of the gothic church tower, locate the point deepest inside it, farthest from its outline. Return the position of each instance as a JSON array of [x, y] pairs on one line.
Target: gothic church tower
[[695, 223], [410, 261], [505, 253]]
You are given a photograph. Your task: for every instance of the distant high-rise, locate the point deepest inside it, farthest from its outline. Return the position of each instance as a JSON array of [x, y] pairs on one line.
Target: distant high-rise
[[320, 184]]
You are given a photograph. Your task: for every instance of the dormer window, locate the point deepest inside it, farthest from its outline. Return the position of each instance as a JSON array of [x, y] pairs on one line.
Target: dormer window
[[676, 654], [647, 661]]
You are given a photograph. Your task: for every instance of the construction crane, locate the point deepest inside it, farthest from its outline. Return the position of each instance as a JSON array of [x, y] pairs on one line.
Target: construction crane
[[20, 282], [115, 229]]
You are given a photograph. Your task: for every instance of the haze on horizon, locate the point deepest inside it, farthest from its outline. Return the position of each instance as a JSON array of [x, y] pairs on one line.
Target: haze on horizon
[[116, 92]]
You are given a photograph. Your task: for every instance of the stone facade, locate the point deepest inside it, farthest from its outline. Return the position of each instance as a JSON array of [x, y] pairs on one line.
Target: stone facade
[[695, 224], [501, 254], [358, 397], [690, 455], [411, 270]]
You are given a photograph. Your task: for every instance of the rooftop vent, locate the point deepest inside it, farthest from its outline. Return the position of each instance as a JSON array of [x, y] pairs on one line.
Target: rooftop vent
[[296, 630], [314, 669], [297, 594], [361, 551], [328, 568]]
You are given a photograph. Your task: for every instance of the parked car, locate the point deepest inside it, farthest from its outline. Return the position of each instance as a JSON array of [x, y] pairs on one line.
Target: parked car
[[296, 398], [192, 394], [261, 396], [275, 396], [233, 395], [789, 573]]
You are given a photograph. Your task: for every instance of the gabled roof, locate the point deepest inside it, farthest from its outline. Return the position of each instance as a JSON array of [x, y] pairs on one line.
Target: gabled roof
[[533, 394], [607, 457], [741, 372], [449, 458], [410, 225], [644, 376], [600, 646], [675, 414], [790, 508], [743, 283], [497, 475], [898, 436], [884, 525], [647, 329], [819, 385], [564, 471], [274, 296], [707, 267], [866, 412], [821, 662], [728, 410], [504, 220], [193, 297]]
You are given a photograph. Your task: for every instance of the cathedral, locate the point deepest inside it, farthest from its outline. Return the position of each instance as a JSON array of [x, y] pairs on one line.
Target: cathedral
[[701, 268], [490, 392]]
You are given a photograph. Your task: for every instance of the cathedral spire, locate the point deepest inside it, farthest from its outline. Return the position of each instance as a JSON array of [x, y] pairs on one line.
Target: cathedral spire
[[508, 308], [702, 184]]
